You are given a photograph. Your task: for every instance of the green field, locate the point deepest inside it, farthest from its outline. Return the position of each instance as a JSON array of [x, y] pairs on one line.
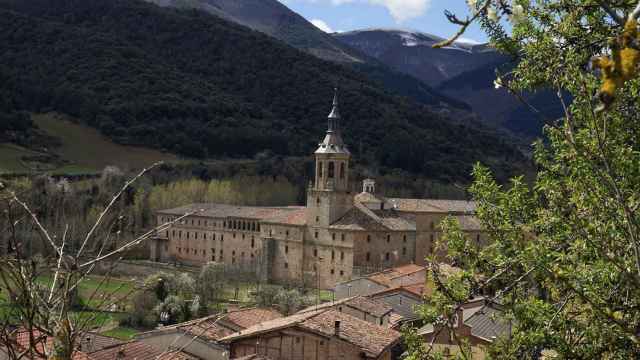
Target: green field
[[122, 333], [10, 158], [86, 148], [83, 150]]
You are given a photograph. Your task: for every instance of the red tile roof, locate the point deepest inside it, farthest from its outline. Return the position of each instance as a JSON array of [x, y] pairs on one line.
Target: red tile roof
[[215, 327], [369, 338], [385, 277], [136, 350], [249, 317], [292, 215], [432, 205], [364, 304], [89, 342]]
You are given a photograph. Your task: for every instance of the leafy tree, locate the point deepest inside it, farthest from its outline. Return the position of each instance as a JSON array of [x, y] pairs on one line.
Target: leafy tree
[[175, 307], [162, 284], [143, 314], [211, 282], [289, 301], [565, 256], [266, 296]]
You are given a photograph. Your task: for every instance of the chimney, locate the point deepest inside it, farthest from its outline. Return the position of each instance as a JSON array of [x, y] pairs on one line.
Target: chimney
[[460, 317], [337, 327]]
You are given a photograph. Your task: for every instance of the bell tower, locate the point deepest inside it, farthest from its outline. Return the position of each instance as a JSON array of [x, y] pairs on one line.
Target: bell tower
[[328, 197]]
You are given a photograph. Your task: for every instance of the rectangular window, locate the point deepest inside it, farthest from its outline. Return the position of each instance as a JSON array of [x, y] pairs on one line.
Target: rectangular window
[[341, 255], [368, 256], [315, 252], [404, 251], [286, 249], [286, 265], [387, 256], [316, 235]]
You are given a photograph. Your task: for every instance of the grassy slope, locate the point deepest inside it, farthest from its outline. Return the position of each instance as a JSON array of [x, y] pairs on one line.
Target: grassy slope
[[83, 147], [10, 156]]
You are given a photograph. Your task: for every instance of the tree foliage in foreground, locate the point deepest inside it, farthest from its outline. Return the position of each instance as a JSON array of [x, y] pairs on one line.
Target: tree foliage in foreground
[[565, 257]]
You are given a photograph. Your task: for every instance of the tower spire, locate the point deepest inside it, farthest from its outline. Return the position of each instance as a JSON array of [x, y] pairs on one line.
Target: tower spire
[[334, 117]]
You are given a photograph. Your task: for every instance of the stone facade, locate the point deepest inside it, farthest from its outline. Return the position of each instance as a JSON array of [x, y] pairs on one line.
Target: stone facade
[[336, 236]]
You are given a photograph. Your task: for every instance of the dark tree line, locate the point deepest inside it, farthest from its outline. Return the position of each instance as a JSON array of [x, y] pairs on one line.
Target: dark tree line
[[196, 85]]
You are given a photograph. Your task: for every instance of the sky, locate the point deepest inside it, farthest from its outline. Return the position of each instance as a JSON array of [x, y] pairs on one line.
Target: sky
[[422, 15]]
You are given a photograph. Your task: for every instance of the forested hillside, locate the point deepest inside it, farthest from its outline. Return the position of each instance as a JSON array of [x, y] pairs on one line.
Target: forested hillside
[[197, 85]]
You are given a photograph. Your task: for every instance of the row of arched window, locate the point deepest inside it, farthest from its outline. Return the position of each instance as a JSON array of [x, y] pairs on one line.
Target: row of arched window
[[242, 225], [331, 171]]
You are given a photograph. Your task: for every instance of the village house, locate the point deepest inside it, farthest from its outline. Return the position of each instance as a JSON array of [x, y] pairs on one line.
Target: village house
[[323, 334], [90, 346], [360, 307], [478, 323], [366, 285], [201, 337], [339, 234]]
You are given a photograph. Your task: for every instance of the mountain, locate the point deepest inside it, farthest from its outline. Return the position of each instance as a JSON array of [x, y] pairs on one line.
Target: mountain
[[197, 85], [462, 71], [412, 53], [276, 20]]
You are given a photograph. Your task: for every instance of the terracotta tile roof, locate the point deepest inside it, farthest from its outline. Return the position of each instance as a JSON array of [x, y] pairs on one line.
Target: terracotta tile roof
[[362, 303], [207, 329], [432, 205], [136, 350], [249, 317], [215, 327], [271, 325], [297, 216], [361, 218], [210, 210], [92, 342], [370, 306], [370, 338], [415, 290], [385, 277], [89, 342]]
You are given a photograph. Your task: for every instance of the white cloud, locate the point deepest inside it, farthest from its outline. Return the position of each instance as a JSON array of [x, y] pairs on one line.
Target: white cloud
[[401, 10], [321, 25], [465, 40]]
